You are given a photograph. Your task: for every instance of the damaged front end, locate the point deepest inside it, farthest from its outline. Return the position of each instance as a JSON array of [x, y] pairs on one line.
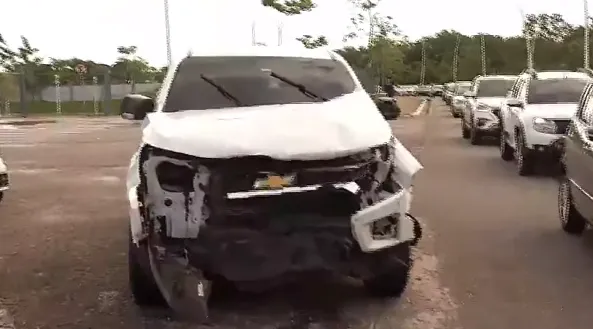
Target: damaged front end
[[4, 181], [257, 221]]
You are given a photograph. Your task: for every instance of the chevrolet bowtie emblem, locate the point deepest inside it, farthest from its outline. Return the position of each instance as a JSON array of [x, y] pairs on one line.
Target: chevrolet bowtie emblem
[[273, 182]]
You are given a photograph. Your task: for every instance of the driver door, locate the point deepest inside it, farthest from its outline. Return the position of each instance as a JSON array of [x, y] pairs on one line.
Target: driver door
[[578, 156]]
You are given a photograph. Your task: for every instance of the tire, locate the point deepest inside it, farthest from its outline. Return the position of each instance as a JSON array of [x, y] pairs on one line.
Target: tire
[[464, 131], [506, 152], [1, 196], [394, 273], [455, 115], [142, 284], [524, 156], [474, 135], [571, 220]]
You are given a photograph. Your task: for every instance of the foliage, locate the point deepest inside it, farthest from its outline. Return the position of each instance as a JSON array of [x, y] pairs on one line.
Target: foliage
[[310, 42], [290, 7], [384, 55]]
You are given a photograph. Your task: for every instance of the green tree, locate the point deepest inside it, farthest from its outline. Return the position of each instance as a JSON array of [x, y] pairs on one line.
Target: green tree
[[290, 7], [296, 7], [310, 42]]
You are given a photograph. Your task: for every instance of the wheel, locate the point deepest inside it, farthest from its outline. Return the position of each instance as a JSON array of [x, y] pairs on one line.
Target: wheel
[[142, 284], [1, 196], [571, 220], [392, 277], [464, 131], [455, 114], [506, 152], [474, 135], [524, 156]]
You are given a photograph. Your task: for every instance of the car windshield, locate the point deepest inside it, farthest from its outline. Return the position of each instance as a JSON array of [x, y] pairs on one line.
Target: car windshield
[[494, 87], [218, 82], [555, 91], [461, 89]]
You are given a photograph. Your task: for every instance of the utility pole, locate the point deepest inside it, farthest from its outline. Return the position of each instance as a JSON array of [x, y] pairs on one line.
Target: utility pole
[[483, 53], [280, 34], [456, 58], [168, 32], [423, 69], [529, 41], [586, 27]]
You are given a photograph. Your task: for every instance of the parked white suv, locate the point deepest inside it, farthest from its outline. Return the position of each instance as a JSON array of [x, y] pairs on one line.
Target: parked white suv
[[537, 113], [261, 164], [481, 112]]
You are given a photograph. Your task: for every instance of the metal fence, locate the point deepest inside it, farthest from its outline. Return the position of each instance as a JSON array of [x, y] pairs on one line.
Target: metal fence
[[23, 94]]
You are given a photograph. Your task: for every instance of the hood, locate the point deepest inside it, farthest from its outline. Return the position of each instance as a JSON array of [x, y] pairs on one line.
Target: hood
[[304, 131], [491, 101], [551, 111], [458, 98]]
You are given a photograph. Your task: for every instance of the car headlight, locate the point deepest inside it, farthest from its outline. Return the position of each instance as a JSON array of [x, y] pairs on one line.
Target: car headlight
[[544, 126]]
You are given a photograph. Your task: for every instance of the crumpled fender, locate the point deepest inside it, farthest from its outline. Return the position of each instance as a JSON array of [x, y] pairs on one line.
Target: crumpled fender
[[405, 167]]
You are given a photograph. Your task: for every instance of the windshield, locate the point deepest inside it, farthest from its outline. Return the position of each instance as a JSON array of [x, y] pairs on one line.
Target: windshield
[[555, 91], [494, 88], [252, 81], [461, 89]]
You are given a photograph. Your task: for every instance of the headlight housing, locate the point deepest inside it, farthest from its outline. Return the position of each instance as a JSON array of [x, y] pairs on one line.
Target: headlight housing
[[482, 108], [544, 126]]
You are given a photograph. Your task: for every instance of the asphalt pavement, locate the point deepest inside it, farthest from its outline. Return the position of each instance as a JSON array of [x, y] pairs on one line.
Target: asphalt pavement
[[493, 255]]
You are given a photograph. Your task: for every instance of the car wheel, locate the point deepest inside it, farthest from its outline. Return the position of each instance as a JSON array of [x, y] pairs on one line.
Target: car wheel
[[571, 220], [142, 284], [1, 196], [464, 130], [393, 274], [524, 157], [506, 152], [474, 135]]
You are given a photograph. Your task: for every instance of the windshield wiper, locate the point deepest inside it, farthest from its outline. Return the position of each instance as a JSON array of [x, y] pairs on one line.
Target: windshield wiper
[[221, 90], [299, 86]]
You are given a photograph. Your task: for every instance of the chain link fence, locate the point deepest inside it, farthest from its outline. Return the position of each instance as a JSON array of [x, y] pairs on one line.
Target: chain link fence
[[23, 94]]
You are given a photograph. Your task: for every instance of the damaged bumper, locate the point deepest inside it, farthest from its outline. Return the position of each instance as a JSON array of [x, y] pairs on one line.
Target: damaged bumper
[[230, 214], [4, 181]]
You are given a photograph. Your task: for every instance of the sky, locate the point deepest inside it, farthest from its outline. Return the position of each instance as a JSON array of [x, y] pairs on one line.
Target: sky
[[93, 29]]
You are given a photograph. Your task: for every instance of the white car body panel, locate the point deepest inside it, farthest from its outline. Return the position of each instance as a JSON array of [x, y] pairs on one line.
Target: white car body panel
[[481, 109], [524, 118], [307, 131], [341, 126], [516, 117]]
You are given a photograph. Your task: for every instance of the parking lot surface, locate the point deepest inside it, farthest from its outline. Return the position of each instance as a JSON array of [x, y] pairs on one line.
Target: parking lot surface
[[493, 255]]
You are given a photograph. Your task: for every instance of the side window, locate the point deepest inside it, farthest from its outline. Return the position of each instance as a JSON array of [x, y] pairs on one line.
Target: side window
[[585, 112]]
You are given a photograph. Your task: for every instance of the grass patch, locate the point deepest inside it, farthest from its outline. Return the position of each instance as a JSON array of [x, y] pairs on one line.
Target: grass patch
[[68, 108]]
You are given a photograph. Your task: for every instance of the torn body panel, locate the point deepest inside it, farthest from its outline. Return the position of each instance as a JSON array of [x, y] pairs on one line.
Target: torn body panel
[[333, 214]]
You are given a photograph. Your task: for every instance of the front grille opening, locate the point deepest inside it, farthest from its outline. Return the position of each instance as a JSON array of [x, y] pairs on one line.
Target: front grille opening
[[324, 202]]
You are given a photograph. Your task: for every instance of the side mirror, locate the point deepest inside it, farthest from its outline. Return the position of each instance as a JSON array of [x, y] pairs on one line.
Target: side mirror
[[136, 107], [469, 94], [515, 103]]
